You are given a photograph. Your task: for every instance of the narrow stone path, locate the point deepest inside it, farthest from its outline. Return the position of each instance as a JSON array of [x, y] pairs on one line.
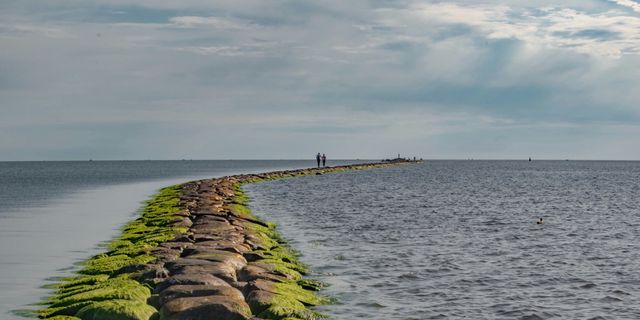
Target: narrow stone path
[[230, 265]]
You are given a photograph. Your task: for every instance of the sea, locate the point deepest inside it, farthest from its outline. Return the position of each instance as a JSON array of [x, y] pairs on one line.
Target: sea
[[460, 239], [433, 240]]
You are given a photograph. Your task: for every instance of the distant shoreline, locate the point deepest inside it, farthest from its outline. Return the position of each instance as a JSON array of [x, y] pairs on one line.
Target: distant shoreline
[[307, 160]]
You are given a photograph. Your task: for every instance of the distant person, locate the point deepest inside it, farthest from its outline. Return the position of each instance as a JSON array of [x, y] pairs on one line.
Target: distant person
[[540, 221], [324, 160], [318, 159]]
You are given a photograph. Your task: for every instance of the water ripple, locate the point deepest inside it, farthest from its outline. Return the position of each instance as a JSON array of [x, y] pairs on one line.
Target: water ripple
[[458, 239]]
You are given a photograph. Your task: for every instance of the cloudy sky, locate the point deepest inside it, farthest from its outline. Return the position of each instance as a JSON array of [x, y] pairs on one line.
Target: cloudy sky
[[229, 79]]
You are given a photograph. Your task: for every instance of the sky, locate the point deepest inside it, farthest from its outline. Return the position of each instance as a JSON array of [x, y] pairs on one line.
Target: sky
[[280, 79]]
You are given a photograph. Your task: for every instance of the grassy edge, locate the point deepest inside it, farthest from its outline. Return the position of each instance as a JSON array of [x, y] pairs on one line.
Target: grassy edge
[[293, 295], [103, 288]]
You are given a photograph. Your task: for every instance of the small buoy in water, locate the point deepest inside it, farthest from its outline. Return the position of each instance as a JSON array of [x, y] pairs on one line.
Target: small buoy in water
[[540, 221]]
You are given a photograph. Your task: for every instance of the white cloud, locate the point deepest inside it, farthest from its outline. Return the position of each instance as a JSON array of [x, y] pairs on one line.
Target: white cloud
[[628, 3], [608, 33], [210, 22], [289, 73]]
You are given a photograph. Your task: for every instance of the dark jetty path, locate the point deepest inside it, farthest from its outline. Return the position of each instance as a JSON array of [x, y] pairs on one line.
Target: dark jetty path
[[196, 253]]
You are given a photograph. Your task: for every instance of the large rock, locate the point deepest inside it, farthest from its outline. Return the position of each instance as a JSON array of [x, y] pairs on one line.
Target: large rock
[[224, 235], [177, 264], [151, 274], [260, 300], [183, 238], [177, 245], [183, 213], [117, 309], [261, 284], [201, 235], [165, 254], [205, 308], [226, 245], [236, 237], [253, 272], [205, 237], [234, 259], [181, 222], [210, 219], [214, 211], [247, 222], [220, 270], [192, 279], [187, 266], [182, 291], [212, 227]]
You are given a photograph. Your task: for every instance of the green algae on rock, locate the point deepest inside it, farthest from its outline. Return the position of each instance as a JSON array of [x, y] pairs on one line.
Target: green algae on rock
[[64, 318], [117, 309], [103, 289], [285, 298]]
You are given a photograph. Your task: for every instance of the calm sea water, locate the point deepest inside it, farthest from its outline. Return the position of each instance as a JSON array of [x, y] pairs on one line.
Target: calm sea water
[[459, 239], [53, 214]]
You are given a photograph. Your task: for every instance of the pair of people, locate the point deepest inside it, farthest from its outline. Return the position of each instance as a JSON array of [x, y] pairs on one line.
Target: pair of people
[[322, 158]]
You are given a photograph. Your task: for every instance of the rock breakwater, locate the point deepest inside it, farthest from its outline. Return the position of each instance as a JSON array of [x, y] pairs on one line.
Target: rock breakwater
[[195, 253]]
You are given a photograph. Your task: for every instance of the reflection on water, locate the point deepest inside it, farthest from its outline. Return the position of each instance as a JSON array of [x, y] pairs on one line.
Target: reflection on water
[[44, 242], [459, 239]]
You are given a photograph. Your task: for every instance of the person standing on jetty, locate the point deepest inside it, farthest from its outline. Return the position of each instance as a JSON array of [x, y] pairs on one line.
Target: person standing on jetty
[[324, 160], [318, 159]]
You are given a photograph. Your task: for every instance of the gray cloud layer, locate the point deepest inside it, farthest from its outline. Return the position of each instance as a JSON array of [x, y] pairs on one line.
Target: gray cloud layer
[[281, 79]]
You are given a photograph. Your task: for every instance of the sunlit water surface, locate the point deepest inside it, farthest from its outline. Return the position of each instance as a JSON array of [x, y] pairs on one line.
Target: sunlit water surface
[[459, 239]]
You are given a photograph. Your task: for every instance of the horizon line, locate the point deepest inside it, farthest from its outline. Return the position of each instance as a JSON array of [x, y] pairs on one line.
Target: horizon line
[[313, 159]]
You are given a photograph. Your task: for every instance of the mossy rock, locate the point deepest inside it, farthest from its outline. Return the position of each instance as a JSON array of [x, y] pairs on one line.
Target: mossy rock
[[120, 289], [122, 282], [294, 291], [286, 254], [64, 318], [290, 301], [310, 284], [82, 280], [262, 239], [67, 310], [100, 295], [293, 269], [289, 309], [25, 313], [70, 291], [131, 250], [104, 264], [287, 300], [240, 210], [118, 310]]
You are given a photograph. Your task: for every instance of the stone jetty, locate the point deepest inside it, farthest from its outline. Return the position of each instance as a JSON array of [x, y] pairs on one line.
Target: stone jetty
[[196, 253]]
